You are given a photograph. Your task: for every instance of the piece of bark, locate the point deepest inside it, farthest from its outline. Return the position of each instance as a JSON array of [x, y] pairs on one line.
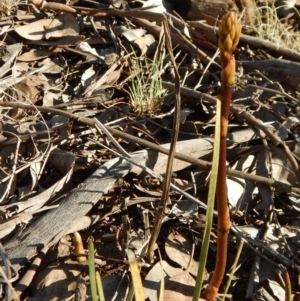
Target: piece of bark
[[77, 204], [81, 200]]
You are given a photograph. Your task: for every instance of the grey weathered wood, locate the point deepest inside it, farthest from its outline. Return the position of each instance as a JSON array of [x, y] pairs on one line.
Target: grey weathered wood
[[81, 200], [78, 203]]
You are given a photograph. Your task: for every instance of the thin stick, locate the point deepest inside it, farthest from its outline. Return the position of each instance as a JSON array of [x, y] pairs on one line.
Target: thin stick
[[166, 189], [158, 148]]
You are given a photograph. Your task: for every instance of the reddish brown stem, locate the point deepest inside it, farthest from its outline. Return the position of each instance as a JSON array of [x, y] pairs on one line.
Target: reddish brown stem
[[221, 195], [229, 33]]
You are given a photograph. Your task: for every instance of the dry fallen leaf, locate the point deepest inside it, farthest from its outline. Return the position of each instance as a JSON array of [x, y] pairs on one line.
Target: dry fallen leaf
[[144, 43], [34, 54], [65, 25], [177, 247], [152, 281], [30, 88], [181, 286]]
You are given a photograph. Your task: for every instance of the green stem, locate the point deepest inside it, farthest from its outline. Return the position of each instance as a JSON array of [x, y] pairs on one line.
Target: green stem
[[92, 271], [210, 205]]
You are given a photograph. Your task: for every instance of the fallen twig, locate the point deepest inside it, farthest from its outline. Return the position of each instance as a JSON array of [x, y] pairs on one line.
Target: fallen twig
[[168, 175], [242, 114], [254, 41], [127, 137]]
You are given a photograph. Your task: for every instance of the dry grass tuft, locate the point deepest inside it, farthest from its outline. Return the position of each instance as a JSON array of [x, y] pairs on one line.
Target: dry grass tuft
[[270, 27], [146, 91], [7, 5]]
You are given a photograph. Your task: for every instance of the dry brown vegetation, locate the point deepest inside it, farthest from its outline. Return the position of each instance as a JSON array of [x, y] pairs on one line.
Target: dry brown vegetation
[[88, 92]]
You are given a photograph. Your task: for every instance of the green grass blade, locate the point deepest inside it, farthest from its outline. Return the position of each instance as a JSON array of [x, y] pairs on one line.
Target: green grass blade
[[210, 205], [92, 271], [236, 260], [100, 287]]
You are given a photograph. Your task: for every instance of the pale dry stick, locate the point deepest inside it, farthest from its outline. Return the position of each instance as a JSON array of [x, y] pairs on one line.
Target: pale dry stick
[[268, 253], [283, 67], [12, 176], [29, 137], [205, 70], [6, 67], [26, 280], [194, 49], [98, 83], [100, 127], [276, 84], [234, 267], [167, 181], [36, 159], [131, 138], [282, 93], [118, 286], [44, 155], [164, 114], [124, 155], [184, 44], [154, 175], [241, 114], [7, 274], [48, 149], [211, 31], [83, 103], [15, 220]]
